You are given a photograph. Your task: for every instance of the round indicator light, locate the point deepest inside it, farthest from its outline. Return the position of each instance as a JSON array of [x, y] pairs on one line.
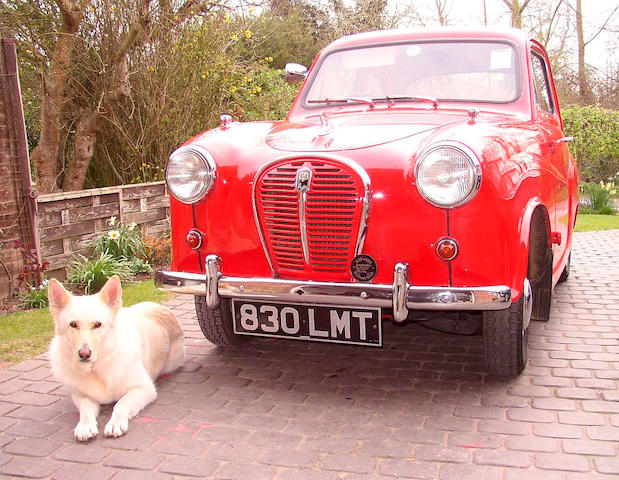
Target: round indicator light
[[193, 239], [447, 249]]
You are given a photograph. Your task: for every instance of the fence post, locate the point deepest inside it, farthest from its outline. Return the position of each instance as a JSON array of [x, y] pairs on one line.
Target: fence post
[[26, 194]]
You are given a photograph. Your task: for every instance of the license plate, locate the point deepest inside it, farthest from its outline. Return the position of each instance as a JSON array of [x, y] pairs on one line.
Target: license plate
[[320, 323]]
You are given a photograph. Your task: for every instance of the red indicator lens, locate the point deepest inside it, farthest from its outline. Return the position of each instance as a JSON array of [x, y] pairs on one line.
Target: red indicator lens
[[193, 239], [447, 249]]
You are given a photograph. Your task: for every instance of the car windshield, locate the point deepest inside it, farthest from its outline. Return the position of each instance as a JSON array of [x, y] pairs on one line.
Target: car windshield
[[471, 71]]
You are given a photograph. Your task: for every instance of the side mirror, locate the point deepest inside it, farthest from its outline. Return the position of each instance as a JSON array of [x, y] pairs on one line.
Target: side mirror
[[295, 72]]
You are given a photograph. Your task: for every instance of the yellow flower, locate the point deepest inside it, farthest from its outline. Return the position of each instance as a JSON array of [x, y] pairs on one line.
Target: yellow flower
[[235, 38], [227, 18], [258, 89], [233, 89], [251, 9], [247, 33]]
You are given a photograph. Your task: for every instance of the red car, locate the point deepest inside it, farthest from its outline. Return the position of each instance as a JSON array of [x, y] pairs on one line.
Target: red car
[[417, 171]]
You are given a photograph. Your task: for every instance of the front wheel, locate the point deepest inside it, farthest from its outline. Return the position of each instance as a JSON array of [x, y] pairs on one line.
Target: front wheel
[[216, 324], [505, 339]]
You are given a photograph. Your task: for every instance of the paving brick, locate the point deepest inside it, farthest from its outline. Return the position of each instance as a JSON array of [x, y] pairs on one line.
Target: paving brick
[[135, 460], [502, 458], [192, 467], [290, 458], [408, 469], [530, 415], [563, 462], [581, 418], [72, 471], [590, 447], [603, 433], [348, 463], [82, 453], [558, 431], [469, 472], [577, 393], [30, 467], [32, 447], [555, 404], [532, 444], [243, 471], [607, 465]]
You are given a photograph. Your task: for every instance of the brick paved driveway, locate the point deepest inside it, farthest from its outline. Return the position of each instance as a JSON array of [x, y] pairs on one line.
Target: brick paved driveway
[[422, 407]]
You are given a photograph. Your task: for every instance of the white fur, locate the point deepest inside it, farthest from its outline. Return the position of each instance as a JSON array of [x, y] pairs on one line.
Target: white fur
[[127, 349]]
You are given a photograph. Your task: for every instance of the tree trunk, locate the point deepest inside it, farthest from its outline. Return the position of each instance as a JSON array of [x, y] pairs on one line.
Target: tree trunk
[[583, 86], [88, 125], [44, 157], [516, 10]]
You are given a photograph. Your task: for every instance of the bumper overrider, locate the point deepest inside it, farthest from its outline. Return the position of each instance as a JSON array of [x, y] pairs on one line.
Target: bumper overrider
[[400, 296]]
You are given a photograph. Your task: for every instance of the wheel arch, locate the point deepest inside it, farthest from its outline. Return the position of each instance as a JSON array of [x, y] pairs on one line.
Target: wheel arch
[[535, 220]]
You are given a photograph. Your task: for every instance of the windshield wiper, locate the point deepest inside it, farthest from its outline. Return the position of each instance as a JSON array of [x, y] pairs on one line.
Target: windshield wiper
[[367, 101], [408, 98]]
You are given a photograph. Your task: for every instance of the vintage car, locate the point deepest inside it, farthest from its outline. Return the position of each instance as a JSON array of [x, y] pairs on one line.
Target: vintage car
[[417, 170]]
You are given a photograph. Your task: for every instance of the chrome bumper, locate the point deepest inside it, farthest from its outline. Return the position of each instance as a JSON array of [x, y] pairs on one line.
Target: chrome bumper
[[400, 296]]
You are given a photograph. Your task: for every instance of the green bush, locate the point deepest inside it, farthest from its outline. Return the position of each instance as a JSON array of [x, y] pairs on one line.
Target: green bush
[[91, 274], [601, 196], [596, 140], [126, 242], [34, 297]]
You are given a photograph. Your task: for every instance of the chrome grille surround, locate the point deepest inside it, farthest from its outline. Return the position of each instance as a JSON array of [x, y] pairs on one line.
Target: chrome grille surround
[[294, 217]]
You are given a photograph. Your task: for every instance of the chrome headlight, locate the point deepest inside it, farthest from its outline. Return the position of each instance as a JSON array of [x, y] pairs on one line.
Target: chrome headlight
[[448, 174], [190, 173]]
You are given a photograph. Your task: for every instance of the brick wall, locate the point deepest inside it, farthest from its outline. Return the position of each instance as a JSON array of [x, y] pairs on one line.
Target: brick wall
[[16, 203]]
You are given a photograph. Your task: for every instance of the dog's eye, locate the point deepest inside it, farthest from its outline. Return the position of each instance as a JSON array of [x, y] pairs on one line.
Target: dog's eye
[[96, 325], [73, 324]]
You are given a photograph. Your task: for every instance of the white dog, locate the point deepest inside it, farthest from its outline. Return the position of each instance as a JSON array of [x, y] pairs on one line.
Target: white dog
[[106, 353]]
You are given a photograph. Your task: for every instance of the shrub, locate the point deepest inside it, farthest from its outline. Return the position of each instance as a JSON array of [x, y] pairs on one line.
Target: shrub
[[34, 297], [92, 274], [596, 140], [157, 251], [601, 196], [125, 242]]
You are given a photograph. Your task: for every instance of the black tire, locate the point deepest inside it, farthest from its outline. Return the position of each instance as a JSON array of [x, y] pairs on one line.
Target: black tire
[[505, 340], [216, 324], [566, 270]]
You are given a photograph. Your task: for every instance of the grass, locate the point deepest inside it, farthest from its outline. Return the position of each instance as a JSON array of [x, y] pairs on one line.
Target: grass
[[588, 223], [27, 334]]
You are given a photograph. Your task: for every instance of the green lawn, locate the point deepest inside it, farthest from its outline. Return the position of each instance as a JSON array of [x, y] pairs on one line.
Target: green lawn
[[588, 223], [26, 334]]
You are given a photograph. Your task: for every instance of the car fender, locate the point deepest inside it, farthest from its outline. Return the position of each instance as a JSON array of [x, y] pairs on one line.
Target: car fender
[[524, 231]]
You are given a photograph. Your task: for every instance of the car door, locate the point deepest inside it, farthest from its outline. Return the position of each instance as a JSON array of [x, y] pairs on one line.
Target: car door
[[554, 149]]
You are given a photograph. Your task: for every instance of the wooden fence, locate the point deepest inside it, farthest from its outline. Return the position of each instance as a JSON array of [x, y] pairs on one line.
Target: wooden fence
[[68, 222]]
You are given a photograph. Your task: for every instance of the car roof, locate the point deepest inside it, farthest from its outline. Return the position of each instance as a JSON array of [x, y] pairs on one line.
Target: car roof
[[443, 33]]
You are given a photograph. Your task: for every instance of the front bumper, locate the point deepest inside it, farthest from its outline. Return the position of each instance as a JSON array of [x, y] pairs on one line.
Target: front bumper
[[400, 296]]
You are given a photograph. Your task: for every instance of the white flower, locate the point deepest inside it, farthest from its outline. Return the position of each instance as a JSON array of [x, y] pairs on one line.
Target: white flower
[[112, 221], [132, 226], [113, 234]]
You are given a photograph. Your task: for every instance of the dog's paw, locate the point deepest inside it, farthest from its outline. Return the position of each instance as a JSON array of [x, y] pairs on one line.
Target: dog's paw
[[84, 431], [117, 426]]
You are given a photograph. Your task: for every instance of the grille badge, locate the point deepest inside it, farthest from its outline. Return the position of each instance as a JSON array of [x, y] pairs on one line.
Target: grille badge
[[304, 177]]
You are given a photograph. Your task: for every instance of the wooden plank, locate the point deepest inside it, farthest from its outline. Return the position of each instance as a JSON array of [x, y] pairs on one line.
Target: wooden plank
[[145, 217], [64, 231], [143, 191], [54, 247], [58, 205], [104, 212]]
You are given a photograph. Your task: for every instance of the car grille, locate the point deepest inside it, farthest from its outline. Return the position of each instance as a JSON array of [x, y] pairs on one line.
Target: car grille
[[315, 234]]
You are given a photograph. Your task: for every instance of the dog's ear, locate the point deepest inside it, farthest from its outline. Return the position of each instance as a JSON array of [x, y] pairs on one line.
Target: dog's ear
[[58, 297], [111, 293]]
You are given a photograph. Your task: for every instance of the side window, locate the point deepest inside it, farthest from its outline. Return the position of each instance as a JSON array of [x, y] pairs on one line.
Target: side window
[[542, 86]]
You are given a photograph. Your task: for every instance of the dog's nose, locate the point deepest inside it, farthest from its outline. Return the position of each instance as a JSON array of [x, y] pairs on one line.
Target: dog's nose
[[84, 353]]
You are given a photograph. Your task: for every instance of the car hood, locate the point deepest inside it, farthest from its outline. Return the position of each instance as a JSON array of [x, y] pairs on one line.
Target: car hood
[[335, 133]]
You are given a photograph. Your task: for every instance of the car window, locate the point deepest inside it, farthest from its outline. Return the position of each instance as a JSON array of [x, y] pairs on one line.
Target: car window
[[454, 70], [542, 87]]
